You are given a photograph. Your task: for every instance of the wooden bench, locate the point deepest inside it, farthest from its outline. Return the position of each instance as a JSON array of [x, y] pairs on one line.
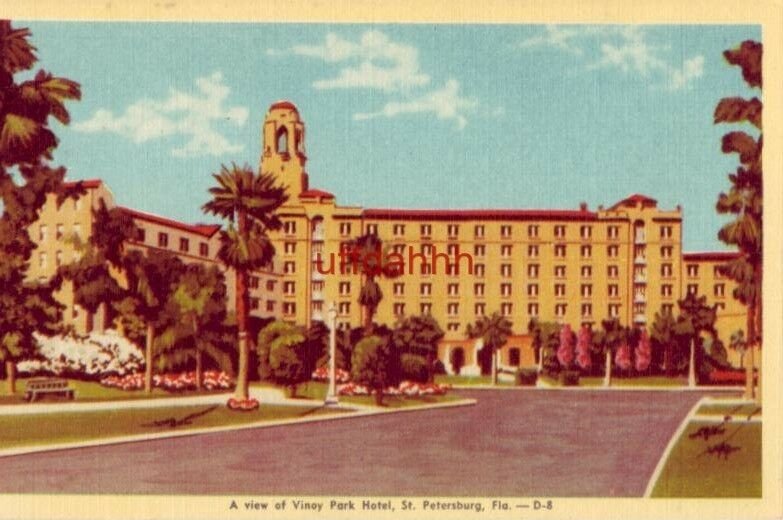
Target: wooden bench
[[43, 386]]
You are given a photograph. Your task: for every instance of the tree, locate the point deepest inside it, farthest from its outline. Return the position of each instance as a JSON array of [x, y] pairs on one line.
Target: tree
[[249, 203], [26, 179], [664, 337], [372, 364], [583, 347], [695, 318], [737, 342], [546, 340], [198, 309], [565, 352], [287, 358], [375, 263], [419, 335], [744, 198], [278, 331], [493, 331], [643, 354], [612, 336]]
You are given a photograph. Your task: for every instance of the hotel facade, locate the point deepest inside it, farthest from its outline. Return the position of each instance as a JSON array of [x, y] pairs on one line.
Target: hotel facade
[[576, 266]]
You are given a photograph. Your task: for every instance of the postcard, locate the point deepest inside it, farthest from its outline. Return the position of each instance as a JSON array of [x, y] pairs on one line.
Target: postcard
[[364, 261]]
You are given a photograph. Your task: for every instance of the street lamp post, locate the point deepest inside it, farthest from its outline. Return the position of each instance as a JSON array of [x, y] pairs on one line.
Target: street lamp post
[[331, 395]]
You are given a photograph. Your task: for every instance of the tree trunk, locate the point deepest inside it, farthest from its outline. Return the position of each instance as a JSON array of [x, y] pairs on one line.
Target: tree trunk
[[494, 367], [608, 369], [749, 366], [692, 365], [379, 396], [10, 375], [368, 316], [199, 367], [241, 296], [148, 358]]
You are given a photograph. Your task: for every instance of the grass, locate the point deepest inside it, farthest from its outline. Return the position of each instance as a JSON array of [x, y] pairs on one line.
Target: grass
[[468, 380], [42, 429], [317, 390], [730, 409], [88, 391], [636, 381], [691, 471]]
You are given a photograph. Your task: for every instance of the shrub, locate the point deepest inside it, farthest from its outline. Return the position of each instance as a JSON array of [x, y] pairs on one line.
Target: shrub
[[372, 364], [569, 378], [414, 368], [287, 366], [526, 377]]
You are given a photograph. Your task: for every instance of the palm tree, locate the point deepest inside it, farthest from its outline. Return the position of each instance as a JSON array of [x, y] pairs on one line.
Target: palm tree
[[663, 334], [494, 331], [608, 340], [370, 252], [249, 203], [695, 317], [738, 343]]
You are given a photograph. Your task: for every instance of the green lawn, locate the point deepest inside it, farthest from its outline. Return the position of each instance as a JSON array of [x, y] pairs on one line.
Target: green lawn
[[43, 429], [730, 409], [691, 471], [87, 391], [636, 381], [317, 390], [468, 380]]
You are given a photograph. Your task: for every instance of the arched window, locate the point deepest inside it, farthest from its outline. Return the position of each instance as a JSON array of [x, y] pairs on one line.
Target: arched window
[[282, 140], [513, 357]]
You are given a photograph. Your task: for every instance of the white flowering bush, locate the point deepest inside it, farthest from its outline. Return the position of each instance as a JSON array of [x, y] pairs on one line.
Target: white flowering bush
[[94, 355], [406, 388], [211, 380]]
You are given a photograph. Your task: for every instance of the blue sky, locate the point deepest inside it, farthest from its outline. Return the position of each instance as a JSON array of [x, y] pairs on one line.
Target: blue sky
[[442, 116]]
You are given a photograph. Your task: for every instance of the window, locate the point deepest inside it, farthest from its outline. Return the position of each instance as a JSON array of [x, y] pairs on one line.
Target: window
[[452, 230], [720, 306], [289, 308], [613, 232], [560, 310], [532, 231], [666, 251], [163, 240], [586, 271], [344, 308], [42, 232], [667, 308], [693, 288], [345, 288], [398, 230], [613, 251], [426, 308], [586, 251], [693, 270], [399, 289], [560, 250], [505, 270], [479, 250], [505, 250], [184, 245], [479, 309], [453, 289], [289, 227], [560, 289], [425, 289], [613, 271], [560, 231], [614, 290], [513, 357], [203, 249], [666, 231], [478, 289], [426, 268], [586, 231], [452, 250], [666, 290], [666, 270], [587, 310], [505, 289], [58, 258], [345, 228], [426, 230], [478, 231], [532, 251], [560, 271], [317, 286], [289, 288], [254, 282], [290, 248], [452, 327], [505, 231], [719, 290], [399, 309], [59, 232], [479, 270], [532, 270], [505, 309], [289, 267], [426, 249], [452, 309], [282, 140], [614, 310], [270, 285], [586, 290], [371, 229], [532, 310], [532, 289], [718, 271], [255, 303]]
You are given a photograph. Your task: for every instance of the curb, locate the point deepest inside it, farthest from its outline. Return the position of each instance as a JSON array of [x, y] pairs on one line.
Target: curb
[[602, 388], [362, 411]]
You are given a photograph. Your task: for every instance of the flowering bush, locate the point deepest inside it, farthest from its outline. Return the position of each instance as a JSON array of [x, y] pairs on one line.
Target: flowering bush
[[728, 377], [322, 374], [583, 348], [406, 388], [243, 405], [94, 355], [623, 356], [643, 352], [565, 353], [211, 380]]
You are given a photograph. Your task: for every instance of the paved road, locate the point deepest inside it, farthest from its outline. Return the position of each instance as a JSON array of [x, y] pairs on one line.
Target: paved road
[[512, 443]]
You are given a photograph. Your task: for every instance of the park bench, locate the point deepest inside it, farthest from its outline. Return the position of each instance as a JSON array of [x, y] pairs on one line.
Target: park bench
[[42, 386]]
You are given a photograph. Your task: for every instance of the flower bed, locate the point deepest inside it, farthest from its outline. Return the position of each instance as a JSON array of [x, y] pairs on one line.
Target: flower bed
[[322, 374], [406, 388], [211, 380], [243, 405], [727, 377]]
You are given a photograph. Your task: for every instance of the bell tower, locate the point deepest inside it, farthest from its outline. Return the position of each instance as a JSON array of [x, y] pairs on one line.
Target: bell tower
[[282, 148]]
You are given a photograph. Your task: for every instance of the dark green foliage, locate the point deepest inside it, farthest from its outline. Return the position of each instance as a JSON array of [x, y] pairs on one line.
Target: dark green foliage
[[419, 335], [414, 368], [372, 364], [457, 359], [569, 378], [526, 377], [546, 339]]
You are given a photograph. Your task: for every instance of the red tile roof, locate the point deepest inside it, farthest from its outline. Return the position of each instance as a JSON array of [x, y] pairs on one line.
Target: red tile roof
[[87, 184], [710, 256], [284, 104], [206, 230], [476, 214], [311, 194], [636, 197]]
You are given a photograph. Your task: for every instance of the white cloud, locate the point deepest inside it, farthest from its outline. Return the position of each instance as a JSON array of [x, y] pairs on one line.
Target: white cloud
[[191, 115], [626, 48], [445, 103]]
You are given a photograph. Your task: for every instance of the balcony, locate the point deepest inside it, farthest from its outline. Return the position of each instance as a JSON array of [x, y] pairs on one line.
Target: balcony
[[317, 316], [639, 238], [640, 278], [640, 260], [318, 235], [316, 276], [639, 298], [317, 296], [639, 318]]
